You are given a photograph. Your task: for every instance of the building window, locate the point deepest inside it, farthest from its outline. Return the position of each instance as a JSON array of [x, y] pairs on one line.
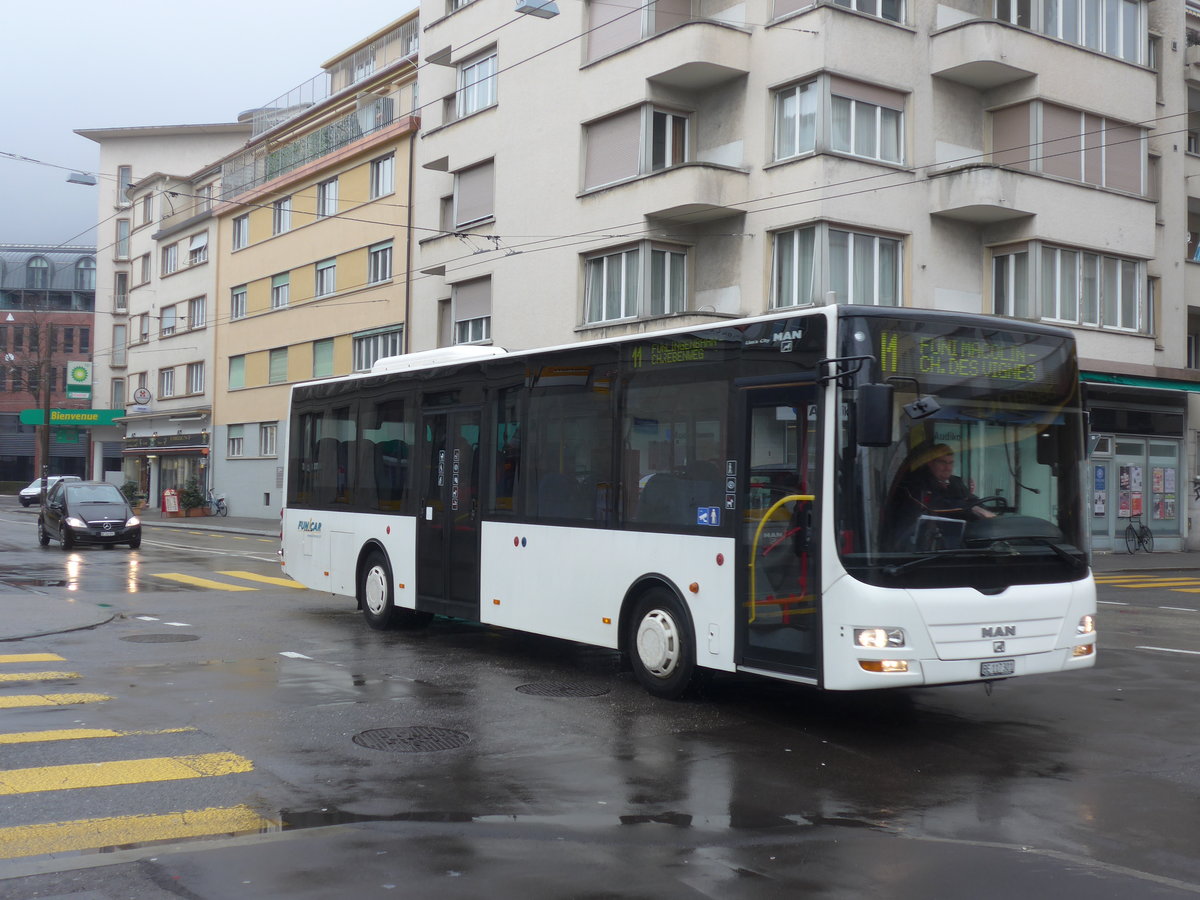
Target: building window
[[473, 331], [144, 268], [120, 292], [144, 328], [474, 194], [892, 10], [166, 321], [322, 362], [668, 140], [326, 277], [237, 372], [170, 259], [280, 285], [196, 312], [198, 249], [267, 433], [241, 232], [122, 242], [1062, 284], [166, 383], [237, 303], [647, 280], [281, 219], [85, 274], [195, 378], [379, 263], [327, 198], [383, 176], [857, 268], [277, 366], [371, 347], [146, 210], [863, 120], [118, 345], [476, 84], [37, 274], [116, 393], [204, 196], [234, 439], [124, 183], [1114, 27]]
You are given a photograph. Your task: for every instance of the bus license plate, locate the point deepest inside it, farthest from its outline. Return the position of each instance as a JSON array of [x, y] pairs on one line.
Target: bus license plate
[[998, 667]]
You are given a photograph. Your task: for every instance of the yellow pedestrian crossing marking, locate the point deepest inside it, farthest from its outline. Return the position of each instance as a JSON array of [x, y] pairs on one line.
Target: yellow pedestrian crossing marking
[[89, 834], [203, 582], [1145, 581], [75, 734], [30, 657], [267, 579], [39, 676], [125, 771], [18, 701]]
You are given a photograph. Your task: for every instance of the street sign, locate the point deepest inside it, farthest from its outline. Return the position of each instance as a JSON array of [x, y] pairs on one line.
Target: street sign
[[80, 418]]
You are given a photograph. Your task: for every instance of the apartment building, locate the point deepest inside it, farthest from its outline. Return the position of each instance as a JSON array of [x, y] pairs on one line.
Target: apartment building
[[47, 307], [610, 167], [156, 277], [312, 240]]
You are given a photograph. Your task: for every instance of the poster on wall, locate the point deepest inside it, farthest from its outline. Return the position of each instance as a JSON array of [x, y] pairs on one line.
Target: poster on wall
[[1123, 504], [1135, 503], [1164, 506], [1169, 480], [1099, 504], [1099, 491]]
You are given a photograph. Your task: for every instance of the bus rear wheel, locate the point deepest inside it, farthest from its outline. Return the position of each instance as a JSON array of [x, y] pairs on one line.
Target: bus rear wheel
[[660, 645], [376, 597]]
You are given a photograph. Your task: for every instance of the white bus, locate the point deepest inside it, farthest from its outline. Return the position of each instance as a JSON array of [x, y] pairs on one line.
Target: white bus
[[730, 498]]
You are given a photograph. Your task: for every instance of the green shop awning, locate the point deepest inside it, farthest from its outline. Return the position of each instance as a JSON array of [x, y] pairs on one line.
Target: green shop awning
[[1140, 381]]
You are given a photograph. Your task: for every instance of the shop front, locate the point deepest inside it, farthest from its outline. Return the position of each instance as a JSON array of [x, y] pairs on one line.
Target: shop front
[[1137, 467], [157, 463]]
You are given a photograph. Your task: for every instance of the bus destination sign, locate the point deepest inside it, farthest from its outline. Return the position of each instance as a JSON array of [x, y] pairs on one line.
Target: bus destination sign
[[688, 350], [964, 355]]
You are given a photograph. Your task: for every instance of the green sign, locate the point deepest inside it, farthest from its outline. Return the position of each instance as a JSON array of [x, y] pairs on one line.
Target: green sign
[[80, 418], [79, 381]]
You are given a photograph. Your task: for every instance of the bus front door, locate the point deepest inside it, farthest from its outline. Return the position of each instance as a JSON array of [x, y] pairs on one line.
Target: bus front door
[[780, 621], [448, 518]]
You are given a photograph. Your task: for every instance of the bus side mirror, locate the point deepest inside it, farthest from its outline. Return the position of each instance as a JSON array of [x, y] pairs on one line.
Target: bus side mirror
[[873, 415]]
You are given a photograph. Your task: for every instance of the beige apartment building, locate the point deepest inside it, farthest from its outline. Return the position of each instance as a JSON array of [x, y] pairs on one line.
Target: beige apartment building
[[312, 241], [155, 277], [609, 167]]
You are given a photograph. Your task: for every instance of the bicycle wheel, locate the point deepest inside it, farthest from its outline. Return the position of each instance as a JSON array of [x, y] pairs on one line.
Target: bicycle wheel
[[1131, 539], [222, 508], [1146, 539]]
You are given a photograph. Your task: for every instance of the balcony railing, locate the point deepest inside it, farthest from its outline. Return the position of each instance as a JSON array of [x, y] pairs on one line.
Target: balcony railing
[[260, 164], [401, 42]]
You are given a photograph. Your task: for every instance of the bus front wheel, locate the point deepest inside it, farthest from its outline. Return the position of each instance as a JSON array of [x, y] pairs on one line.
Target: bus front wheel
[[660, 645], [378, 602]]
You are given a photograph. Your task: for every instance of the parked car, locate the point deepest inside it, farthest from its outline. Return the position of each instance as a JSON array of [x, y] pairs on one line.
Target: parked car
[[32, 494], [88, 512]]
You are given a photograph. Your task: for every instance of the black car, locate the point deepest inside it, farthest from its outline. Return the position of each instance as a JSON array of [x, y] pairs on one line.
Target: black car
[[88, 512]]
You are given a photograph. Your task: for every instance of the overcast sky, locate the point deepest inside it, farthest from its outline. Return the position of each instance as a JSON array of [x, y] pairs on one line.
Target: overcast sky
[[85, 64]]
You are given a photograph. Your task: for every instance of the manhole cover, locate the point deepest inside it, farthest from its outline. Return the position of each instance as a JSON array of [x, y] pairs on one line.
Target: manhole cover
[[562, 689], [160, 638], [414, 739]]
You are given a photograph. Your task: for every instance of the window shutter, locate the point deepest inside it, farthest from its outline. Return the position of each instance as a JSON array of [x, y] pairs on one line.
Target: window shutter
[[613, 148], [475, 194]]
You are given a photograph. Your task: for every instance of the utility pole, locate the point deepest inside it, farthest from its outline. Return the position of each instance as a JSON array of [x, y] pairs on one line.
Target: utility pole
[[45, 383]]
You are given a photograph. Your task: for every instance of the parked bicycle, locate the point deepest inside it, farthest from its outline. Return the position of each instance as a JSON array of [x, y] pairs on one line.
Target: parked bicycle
[[216, 504], [1138, 534]]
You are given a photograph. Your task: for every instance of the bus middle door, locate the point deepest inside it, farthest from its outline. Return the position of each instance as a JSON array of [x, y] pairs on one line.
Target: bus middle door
[[448, 517], [779, 627]]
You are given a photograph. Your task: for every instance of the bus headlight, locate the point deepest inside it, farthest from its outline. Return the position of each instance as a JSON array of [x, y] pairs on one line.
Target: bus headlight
[[1087, 625], [878, 638]]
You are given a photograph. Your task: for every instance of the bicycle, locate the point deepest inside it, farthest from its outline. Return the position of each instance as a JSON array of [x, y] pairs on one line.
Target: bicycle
[[217, 504], [1138, 534]]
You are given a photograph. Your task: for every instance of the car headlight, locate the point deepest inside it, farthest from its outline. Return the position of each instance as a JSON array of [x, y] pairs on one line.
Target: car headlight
[[75, 522], [131, 521], [878, 638]]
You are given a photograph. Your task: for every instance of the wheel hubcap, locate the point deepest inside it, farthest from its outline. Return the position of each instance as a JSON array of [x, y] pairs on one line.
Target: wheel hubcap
[[658, 643], [375, 591]]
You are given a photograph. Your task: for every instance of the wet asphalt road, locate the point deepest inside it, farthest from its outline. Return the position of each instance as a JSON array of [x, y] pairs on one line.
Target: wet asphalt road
[[561, 778]]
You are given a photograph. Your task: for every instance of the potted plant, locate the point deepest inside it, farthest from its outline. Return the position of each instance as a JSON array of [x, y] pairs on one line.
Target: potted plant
[[133, 495], [191, 499]]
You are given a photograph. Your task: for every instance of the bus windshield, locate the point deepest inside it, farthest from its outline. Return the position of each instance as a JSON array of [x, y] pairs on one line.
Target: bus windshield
[[981, 485]]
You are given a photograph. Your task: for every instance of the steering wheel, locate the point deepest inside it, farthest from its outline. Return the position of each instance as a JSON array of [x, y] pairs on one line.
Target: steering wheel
[[996, 504]]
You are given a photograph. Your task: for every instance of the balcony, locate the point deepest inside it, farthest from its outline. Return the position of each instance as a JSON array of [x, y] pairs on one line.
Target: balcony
[[689, 193], [978, 194], [697, 55]]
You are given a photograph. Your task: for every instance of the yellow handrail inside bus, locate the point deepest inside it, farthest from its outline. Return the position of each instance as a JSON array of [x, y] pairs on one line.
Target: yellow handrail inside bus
[[808, 498]]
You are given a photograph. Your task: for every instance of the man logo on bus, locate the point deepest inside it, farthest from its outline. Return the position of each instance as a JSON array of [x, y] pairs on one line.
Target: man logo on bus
[[999, 631]]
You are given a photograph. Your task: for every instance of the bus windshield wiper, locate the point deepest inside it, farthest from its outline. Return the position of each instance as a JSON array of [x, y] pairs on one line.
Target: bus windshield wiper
[[941, 554], [1059, 550]]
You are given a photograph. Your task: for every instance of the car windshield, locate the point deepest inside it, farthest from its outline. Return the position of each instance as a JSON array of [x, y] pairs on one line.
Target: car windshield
[[94, 493]]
